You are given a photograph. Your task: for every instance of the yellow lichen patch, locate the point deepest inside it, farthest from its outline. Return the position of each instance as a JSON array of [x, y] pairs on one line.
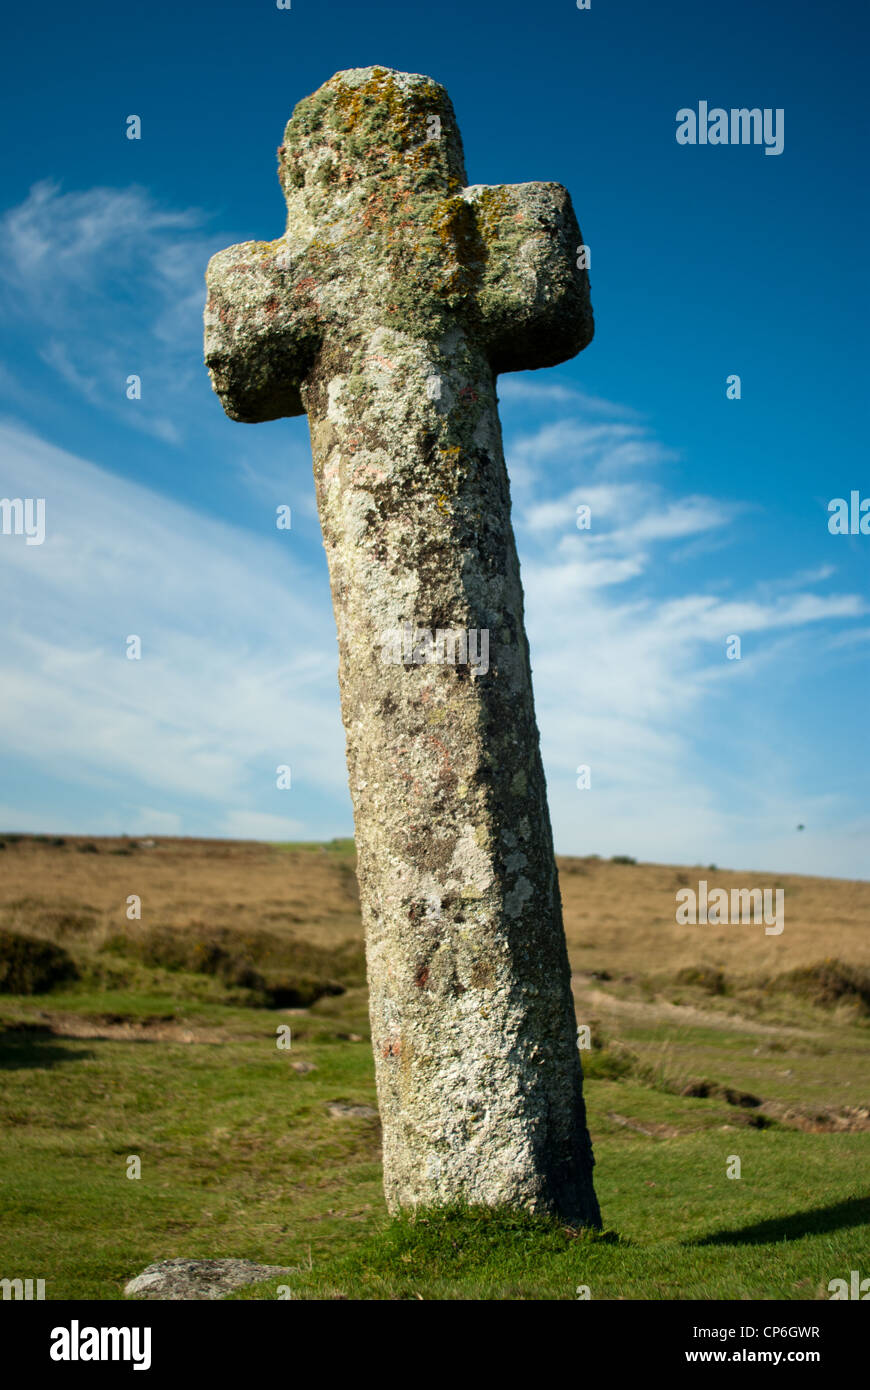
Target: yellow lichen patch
[[352, 102], [492, 208], [265, 250], [454, 225], [355, 104], [483, 836]]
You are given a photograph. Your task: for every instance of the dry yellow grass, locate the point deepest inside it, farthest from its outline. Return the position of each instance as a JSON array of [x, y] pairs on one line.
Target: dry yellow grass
[[218, 883], [619, 918]]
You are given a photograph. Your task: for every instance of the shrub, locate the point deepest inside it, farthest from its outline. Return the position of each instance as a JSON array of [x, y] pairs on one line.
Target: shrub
[[31, 966], [281, 972], [706, 977], [828, 983], [701, 1089]]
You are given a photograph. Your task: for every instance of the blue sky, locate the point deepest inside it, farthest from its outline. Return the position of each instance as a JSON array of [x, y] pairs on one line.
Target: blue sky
[[709, 516]]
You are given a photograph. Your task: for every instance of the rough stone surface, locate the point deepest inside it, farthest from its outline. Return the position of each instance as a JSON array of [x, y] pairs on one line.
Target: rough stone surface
[[198, 1279], [385, 312], [341, 1110]]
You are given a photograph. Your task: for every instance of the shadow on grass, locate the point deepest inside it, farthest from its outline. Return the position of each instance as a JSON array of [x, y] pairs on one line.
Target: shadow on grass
[[31, 1046], [837, 1217]]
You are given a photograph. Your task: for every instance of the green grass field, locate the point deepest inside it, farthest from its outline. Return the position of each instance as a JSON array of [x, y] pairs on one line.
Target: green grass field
[[245, 1151]]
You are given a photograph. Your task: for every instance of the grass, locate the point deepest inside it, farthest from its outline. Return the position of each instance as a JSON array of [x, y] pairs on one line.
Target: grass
[[157, 1051], [508, 1255], [241, 1156]]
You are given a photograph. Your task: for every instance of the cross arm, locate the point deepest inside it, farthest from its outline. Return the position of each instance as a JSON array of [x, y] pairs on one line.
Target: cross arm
[[533, 299], [262, 329]]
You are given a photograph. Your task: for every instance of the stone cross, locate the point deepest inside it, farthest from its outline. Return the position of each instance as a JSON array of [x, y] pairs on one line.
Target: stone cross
[[385, 312]]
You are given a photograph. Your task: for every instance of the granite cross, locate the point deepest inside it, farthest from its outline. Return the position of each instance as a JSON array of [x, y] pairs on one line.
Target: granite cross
[[385, 312]]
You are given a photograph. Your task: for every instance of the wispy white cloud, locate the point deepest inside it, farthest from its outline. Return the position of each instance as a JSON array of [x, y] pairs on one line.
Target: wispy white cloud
[[855, 637], [92, 386], [631, 675], [547, 392], [110, 284], [598, 450], [55, 234], [238, 668]]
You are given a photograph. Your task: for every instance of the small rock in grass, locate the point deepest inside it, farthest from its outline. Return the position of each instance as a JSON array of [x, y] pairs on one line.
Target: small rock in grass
[[198, 1279]]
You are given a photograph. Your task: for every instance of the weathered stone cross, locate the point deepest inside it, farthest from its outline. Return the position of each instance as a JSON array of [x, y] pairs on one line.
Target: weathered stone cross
[[385, 312]]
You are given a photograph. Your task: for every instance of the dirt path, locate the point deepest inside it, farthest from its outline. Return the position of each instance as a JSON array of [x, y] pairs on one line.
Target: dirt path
[[661, 1010]]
